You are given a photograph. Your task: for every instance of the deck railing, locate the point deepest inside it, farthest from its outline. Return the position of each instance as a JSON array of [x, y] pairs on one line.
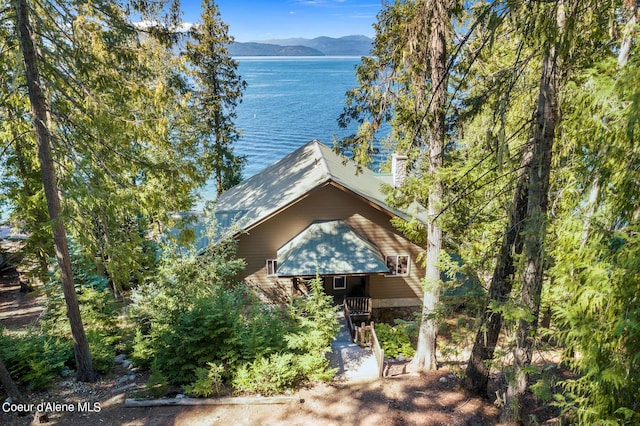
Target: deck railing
[[377, 350], [359, 306], [365, 335], [356, 309]]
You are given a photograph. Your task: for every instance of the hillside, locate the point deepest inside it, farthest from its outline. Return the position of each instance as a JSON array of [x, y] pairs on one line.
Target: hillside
[[344, 46], [263, 49], [353, 45]]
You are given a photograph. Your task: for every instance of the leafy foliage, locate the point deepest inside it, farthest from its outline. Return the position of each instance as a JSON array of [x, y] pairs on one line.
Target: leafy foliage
[[198, 327], [98, 309], [208, 382], [395, 340], [312, 327], [267, 375], [35, 359], [598, 325], [218, 91]]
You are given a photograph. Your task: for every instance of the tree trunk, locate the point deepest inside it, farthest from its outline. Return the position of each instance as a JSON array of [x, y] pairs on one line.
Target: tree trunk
[[425, 357], [631, 12], [534, 236], [477, 374], [9, 385], [84, 363]]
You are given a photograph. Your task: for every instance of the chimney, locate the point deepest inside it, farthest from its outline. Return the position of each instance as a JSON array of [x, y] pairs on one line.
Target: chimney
[[398, 169]]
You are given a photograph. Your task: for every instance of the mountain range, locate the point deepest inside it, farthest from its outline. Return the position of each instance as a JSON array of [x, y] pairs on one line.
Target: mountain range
[[354, 45]]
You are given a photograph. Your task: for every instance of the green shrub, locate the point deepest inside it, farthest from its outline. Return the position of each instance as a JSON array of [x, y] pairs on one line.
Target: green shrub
[[264, 330], [157, 384], [35, 359], [210, 332], [102, 347], [143, 350], [97, 308], [395, 340], [315, 321], [195, 317], [208, 381], [314, 367], [267, 376]]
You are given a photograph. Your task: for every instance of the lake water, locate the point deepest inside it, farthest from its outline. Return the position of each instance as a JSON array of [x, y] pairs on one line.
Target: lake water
[[287, 103]]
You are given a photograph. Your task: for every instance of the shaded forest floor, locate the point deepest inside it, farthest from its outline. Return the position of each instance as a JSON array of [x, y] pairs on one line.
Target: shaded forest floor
[[436, 398]]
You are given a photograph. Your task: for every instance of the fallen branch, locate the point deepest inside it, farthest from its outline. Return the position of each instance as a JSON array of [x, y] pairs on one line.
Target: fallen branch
[[255, 400]]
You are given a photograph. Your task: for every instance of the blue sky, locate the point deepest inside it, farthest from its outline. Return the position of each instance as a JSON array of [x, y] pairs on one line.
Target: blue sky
[[251, 20]]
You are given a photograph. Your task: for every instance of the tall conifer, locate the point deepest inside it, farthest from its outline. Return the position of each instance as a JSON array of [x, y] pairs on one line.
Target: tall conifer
[[217, 92]]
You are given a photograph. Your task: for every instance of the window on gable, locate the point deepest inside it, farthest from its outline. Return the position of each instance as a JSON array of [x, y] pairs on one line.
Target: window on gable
[[340, 283], [398, 264], [272, 267]]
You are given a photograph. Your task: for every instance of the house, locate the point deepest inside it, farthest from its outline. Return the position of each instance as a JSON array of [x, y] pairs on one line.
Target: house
[[314, 212]]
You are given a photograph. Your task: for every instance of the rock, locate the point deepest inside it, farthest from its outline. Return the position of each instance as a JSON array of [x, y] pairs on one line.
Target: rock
[[126, 363], [181, 396], [119, 359], [443, 380], [124, 379], [66, 373], [401, 358]]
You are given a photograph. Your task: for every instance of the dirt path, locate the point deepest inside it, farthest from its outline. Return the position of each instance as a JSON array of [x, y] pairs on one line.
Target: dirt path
[[17, 309], [433, 399]]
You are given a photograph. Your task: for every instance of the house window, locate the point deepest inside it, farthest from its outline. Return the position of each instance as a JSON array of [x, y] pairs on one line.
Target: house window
[[339, 283], [272, 267], [398, 264]]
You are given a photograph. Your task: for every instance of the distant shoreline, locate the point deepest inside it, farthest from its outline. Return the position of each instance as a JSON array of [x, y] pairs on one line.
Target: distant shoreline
[[291, 58]]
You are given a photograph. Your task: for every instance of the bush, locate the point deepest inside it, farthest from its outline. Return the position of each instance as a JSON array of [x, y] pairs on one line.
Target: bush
[[210, 331], [97, 308], [208, 381], [268, 376], [315, 322], [395, 341], [199, 328], [35, 359], [157, 384]]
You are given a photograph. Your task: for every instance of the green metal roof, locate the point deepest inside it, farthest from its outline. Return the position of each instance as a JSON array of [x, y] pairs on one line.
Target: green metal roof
[[329, 248]]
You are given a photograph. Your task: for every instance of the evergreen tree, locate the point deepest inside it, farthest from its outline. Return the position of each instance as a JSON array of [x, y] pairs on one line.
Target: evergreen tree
[[218, 91], [407, 85], [20, 181], [113, 128], [84, 362], [595, 245]]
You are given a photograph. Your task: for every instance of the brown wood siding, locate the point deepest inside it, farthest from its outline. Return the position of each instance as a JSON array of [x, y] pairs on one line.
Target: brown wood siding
[[328, 203]]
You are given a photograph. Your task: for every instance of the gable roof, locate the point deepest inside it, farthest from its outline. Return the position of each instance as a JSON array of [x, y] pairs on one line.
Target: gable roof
[[291, 178], [329, 248]]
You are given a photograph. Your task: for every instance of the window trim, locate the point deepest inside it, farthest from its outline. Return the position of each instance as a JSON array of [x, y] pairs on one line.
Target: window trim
[[397, 257], [272, 265], [344, 281]]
